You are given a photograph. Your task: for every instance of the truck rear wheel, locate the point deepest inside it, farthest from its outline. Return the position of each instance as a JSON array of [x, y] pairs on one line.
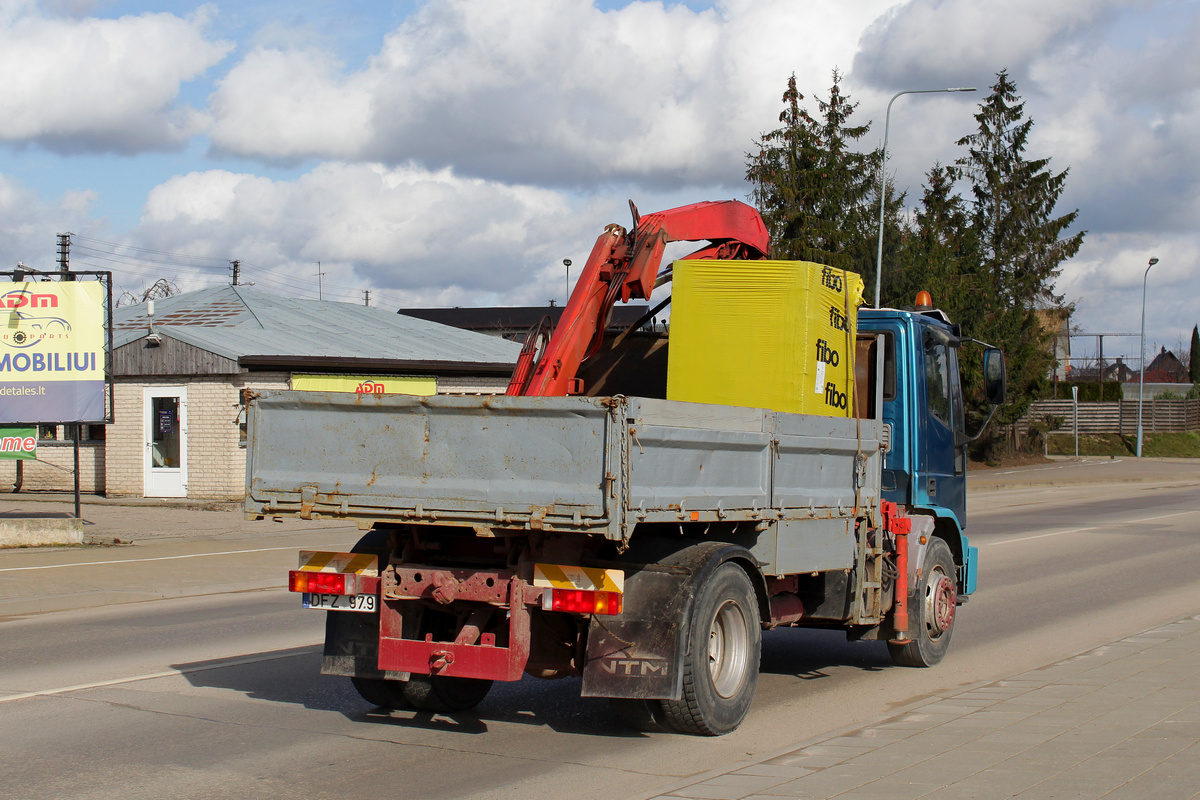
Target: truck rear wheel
[[359, 632], [931, 611], [720, 667], [381, 692], [445, 695], [641, 715]]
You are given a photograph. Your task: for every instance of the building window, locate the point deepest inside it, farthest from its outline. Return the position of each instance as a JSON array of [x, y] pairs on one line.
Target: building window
[[48, 433]]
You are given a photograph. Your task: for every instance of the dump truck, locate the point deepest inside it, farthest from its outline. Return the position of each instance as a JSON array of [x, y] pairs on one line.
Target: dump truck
[[586, 524]]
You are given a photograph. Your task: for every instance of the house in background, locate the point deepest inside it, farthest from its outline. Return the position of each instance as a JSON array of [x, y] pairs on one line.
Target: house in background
[[1164, 374], [1166, 368], [181, 379]]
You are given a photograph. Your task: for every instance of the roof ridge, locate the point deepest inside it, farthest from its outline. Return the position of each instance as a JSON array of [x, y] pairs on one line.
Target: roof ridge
[[246, 303]]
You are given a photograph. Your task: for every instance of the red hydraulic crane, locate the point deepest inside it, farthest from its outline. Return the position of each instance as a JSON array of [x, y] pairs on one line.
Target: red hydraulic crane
[[623, 265]]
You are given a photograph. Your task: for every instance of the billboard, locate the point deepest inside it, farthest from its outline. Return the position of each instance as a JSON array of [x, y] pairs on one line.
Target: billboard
[[52, 346]]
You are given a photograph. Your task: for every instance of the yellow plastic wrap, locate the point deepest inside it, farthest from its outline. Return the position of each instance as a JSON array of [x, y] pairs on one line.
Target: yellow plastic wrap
[[764, 334]]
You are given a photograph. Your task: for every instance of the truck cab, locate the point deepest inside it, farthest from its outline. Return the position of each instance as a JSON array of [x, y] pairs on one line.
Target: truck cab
[[925, 460]]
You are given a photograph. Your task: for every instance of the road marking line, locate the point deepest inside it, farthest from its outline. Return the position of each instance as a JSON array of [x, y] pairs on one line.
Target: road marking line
[[1065, 466], [1079, 530], [156, 558], [1039, 536], [1167, 516], [233, 662]]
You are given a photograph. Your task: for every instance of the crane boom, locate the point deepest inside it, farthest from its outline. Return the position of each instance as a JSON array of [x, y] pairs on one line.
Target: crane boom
[[622, 266]]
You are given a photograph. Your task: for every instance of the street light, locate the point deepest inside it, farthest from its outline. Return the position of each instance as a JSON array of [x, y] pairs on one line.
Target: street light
[[1142, 371], [887, 121]]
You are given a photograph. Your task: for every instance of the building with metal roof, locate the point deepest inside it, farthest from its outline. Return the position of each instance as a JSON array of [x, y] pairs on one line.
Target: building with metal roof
[[256, 329], [184, 370]]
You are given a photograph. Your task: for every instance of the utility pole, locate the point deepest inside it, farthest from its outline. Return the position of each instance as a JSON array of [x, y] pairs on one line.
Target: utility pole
[[64, 254], [366, 297], [235, 267], [320, 289]]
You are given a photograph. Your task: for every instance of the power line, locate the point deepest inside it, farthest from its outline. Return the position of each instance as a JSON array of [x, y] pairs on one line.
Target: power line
[[118, 259], [145, 262], [77, 238]]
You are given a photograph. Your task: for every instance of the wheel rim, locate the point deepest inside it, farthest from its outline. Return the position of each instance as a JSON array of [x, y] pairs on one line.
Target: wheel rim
[[940, 601], [728, 649]]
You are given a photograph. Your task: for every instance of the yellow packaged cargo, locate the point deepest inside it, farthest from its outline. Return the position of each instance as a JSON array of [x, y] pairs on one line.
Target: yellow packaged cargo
[[764, 334]]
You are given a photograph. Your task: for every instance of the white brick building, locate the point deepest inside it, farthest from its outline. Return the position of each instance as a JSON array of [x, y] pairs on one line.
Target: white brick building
[[178, 414]]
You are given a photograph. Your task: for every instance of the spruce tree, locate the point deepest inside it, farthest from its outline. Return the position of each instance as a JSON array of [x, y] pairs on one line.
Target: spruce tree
[[812, 188], [1022, 243], [1194, 361]]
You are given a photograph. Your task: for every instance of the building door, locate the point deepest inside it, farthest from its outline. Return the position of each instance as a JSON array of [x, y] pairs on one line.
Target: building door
[[166, 441]]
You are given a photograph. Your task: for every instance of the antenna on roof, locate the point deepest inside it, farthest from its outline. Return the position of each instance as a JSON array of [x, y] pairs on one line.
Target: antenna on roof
[[152, 339]]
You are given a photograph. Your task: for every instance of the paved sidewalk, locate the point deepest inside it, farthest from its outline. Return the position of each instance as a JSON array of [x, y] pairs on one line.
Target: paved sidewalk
[[1120, 722]]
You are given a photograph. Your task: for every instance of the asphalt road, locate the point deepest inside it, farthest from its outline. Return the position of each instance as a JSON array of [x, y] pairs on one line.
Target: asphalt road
[[220, 697]]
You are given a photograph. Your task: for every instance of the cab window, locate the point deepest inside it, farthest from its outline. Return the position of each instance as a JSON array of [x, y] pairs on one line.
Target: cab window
[[937, 381]]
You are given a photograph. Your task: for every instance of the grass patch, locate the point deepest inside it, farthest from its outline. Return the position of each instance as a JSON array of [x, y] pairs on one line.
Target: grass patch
[[1185, 444]]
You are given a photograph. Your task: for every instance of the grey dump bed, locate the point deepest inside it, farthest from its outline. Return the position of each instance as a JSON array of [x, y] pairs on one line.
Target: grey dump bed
[[593, 465]]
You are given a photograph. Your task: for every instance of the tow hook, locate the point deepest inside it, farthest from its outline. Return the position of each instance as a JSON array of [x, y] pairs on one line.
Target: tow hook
[[445, 588]]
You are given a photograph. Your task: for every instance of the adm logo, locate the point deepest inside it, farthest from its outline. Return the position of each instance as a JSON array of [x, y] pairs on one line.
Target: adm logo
[[25, 328]]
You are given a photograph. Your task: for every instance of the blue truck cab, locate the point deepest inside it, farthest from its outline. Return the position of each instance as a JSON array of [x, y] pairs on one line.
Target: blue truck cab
[[925, 464]]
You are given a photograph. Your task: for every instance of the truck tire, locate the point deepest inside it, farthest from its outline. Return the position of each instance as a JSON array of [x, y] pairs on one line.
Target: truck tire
[[931, 610], [381, 692], [641, 715], [720, 666], [445, 695]]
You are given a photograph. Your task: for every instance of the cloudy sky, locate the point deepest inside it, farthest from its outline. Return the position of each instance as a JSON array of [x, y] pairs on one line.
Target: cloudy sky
[[454, 152]]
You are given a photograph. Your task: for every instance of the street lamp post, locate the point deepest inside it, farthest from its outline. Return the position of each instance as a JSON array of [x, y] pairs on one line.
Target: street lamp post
[[1142, 371], [887, 121]]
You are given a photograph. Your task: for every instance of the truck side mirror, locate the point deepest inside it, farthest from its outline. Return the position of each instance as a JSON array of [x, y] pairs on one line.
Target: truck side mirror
[[994, 385]]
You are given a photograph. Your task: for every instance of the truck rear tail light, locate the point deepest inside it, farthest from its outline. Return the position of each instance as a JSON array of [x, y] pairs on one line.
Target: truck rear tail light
[[322, 582], [580, 601]]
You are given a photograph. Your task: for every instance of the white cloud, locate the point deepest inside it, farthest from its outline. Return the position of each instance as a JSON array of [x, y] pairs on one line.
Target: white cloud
[[290, 104], [28, 225], [559, 93], [925, 43], [399, 228], [92, 84]]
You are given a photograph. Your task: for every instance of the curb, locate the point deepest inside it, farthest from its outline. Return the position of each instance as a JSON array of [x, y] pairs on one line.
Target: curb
[[182, 503]]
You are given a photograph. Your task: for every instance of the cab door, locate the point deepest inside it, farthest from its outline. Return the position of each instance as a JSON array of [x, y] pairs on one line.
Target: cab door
[[941, 473]]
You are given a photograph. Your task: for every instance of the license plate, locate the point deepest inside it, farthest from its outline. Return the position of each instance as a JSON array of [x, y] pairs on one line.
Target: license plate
[[340, 602]]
